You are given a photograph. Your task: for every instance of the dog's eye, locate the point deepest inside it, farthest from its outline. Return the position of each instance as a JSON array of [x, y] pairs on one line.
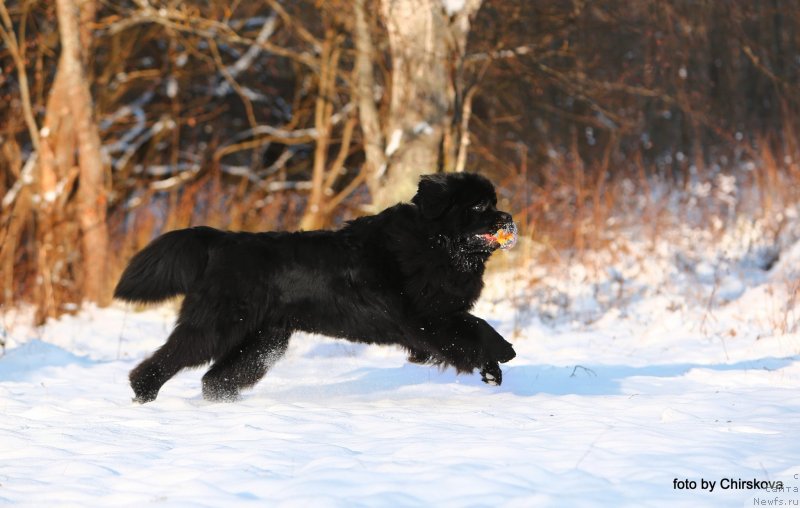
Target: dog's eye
[[480, 207]]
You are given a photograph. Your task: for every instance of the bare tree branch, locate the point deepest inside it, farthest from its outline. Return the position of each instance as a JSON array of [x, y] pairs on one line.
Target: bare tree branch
[[17, 50]]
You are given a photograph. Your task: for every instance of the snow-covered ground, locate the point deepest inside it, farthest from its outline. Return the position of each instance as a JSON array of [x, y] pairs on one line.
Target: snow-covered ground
[[650, 363]]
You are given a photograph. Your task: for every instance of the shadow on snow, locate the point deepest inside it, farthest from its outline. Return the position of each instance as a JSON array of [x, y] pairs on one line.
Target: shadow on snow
[[522, 380], [24, 362]]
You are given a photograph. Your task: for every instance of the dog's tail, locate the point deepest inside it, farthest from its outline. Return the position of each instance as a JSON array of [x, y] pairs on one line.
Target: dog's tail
[[168, 266]]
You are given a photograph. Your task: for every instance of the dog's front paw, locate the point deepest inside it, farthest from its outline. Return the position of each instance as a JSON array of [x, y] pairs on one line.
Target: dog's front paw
[[491, 374]]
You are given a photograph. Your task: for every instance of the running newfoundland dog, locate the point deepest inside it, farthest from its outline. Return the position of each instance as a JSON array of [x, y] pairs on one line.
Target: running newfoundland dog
[[407, 276]]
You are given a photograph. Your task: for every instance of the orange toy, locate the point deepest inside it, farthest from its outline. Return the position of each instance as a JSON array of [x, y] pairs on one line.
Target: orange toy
[[505, 237]]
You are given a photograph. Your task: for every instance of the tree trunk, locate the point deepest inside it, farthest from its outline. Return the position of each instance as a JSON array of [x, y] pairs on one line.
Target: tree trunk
[[315, 215], [364, 96], [427, 46], [55, 160], [92, 192]]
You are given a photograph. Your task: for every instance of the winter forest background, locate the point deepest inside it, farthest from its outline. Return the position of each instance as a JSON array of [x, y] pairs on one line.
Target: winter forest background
[[649, 151], [120, 120]]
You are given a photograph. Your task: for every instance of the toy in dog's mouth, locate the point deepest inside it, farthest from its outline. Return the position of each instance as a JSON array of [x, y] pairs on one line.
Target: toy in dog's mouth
[[504, 238]]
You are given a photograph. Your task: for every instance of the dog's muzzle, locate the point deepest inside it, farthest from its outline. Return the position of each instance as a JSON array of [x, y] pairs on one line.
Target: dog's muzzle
[[504, 238]]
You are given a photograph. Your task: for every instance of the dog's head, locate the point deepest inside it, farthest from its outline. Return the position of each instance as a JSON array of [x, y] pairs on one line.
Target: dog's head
[[461, 210]]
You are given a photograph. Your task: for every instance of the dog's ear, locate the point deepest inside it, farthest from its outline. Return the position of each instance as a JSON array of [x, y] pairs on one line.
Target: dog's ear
[[433, 195]]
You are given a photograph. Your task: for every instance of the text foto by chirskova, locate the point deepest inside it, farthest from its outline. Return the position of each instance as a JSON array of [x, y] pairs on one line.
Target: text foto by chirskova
[[732, 484]]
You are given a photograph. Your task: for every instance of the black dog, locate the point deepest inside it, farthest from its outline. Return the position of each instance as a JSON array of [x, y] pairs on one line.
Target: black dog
[[407, 276]]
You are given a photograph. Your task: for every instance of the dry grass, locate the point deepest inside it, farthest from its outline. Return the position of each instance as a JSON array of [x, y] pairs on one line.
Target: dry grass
[[573, 209], [741, 215]]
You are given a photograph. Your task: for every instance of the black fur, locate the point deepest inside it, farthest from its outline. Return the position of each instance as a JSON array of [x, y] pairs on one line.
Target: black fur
[[407, 276]]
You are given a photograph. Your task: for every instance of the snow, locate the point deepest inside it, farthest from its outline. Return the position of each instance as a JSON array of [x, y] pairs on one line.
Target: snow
[[638, 368], [394, 142], [453, 6]]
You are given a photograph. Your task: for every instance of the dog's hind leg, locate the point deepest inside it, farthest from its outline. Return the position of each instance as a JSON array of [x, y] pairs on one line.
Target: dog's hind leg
[[245, 365], [182, 349]]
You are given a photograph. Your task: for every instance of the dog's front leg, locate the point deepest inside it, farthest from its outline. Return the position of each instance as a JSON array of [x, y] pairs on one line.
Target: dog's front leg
[[499, 348], [500, 351], [468, 343]]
